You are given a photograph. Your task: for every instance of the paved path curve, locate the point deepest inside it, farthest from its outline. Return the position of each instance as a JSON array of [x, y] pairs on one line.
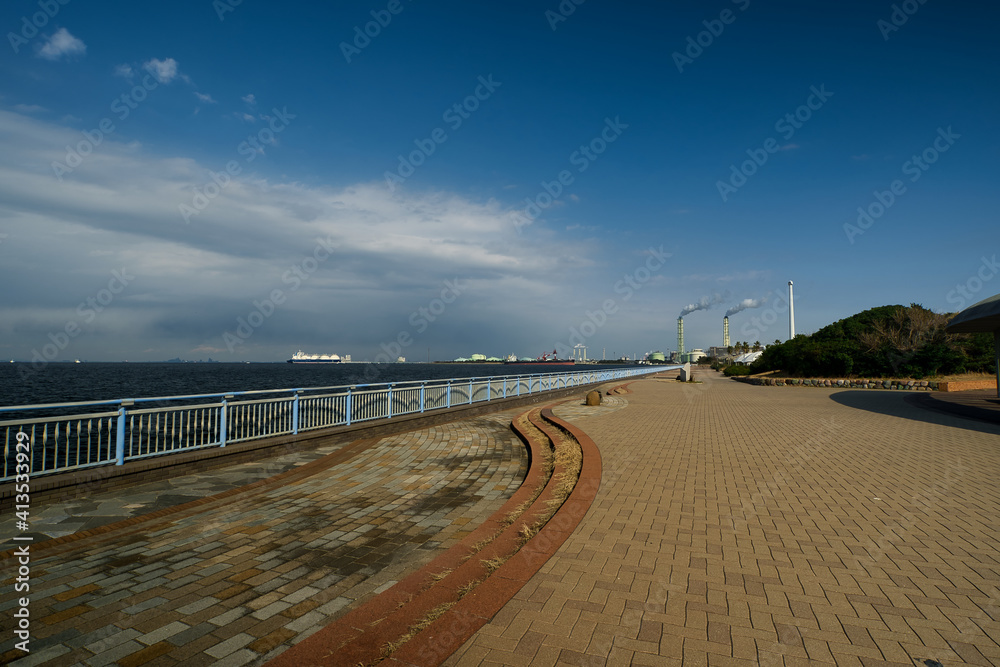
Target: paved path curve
[[742, 525], [237, 580]]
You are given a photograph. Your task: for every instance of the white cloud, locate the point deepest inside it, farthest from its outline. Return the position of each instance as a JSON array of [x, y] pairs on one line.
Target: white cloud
[[29, 108], [206, 98], [165, 71], [393, 254], [249, 99], [60, 44], [124, 71], [247, 117]]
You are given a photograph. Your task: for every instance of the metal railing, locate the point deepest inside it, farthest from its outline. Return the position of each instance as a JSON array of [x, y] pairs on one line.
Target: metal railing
[[58, 437]]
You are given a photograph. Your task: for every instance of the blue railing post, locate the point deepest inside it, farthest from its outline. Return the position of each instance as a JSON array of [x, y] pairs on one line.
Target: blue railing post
[[489, 390], [120, 435], [349, 404], [423, 395], [470, 391], [518, 385], [448, 395], [223, 420], [388, 407], [295, 413]]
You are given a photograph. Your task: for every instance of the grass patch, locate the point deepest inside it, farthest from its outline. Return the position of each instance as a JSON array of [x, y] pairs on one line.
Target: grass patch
[[493, 564], [431, 616], [469, 587]]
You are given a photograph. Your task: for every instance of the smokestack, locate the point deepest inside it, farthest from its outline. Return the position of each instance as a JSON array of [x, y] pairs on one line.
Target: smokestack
[[680, 336], [725, 331], [791, 313]]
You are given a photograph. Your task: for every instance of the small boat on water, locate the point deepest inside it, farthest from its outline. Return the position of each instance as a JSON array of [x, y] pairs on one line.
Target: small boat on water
[[301, 357]]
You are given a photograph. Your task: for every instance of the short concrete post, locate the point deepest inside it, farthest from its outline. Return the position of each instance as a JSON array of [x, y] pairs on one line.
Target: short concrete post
[[685, 373]]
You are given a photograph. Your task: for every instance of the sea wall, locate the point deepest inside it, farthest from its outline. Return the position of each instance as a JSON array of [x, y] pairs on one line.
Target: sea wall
[[899, 385], [966, 385]]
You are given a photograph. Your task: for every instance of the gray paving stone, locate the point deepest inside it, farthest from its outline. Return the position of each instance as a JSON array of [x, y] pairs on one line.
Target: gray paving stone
[[196, 606], [42, 656], [298, 596], [149, 585], [213, 569], [191, 634], [43, 593], [104, 600], [231, 645], [143, 606], [184, 581], [229, 616], [269, 586], [114, 654], [155, 574], [208, 547], [312, 619], [241, 657], [113, 637], [160, 634]]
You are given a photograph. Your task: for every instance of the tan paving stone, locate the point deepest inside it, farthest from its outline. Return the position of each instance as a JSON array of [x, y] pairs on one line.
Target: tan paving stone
[[784, 526]]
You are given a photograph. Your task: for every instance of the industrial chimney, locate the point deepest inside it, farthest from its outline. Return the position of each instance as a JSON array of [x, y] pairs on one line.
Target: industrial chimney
[[725, 331], [680, 336], [791, 313]]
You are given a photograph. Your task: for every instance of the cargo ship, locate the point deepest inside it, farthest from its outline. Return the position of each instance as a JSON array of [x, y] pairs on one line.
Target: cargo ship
[[301, 357]]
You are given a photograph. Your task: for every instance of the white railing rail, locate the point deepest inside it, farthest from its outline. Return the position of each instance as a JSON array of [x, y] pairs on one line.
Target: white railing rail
[[98, 433]]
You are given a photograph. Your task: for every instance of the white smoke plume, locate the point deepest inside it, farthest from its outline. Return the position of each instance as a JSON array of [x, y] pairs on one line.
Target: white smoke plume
[[704, 303], [745, 304]]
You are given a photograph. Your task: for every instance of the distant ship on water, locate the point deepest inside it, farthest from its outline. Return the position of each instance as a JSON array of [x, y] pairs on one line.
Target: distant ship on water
[[301, 357]]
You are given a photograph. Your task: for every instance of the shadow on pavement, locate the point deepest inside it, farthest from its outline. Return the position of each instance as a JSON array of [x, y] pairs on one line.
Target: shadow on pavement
[[918, 407]]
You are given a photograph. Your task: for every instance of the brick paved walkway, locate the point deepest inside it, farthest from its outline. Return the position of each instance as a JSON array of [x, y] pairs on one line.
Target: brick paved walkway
[[741, 525], [238, 580]]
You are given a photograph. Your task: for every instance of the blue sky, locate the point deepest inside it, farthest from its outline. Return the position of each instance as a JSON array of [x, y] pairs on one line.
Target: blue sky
[[202, 179]]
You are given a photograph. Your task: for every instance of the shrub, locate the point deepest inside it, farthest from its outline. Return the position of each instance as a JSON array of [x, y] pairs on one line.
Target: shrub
[[888, 341]]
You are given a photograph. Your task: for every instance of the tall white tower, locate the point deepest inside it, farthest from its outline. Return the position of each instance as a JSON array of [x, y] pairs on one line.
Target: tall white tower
[[725, 331], [791, 312], [680, 336]]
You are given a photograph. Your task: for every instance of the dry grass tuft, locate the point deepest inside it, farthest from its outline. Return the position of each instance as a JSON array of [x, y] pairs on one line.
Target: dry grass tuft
[[493, 564], [516, 513], [431, 616], [469, 587]]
